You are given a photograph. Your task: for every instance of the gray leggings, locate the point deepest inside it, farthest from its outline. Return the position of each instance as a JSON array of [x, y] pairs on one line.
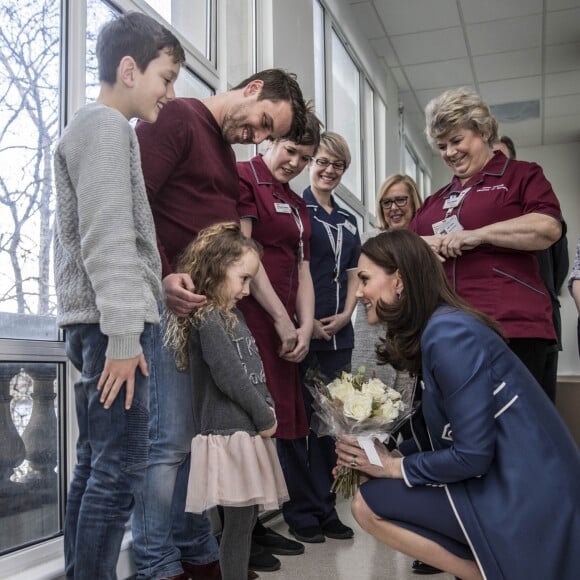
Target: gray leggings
[[236, 540]]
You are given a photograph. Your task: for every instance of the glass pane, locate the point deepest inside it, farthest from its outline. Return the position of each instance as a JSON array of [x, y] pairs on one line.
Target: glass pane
[[346, 113], [240, 40], [29, 76], [98, 13], [30, 502], [369, 140], [426, 186], [410, 164], [380, 147], [319, 63], [188, 84], [190, 17]]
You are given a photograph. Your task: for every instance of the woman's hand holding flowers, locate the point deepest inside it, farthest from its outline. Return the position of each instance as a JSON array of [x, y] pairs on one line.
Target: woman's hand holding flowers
[[350, 454]]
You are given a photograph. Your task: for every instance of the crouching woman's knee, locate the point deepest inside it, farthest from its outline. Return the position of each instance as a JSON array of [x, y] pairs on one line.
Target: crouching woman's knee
[[365, 517]]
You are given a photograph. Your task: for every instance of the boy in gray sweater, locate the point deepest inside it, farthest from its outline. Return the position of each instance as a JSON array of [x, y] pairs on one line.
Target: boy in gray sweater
[[107, 273]]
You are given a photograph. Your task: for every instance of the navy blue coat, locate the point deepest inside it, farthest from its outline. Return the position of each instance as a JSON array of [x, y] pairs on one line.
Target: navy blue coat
[[509, 465]]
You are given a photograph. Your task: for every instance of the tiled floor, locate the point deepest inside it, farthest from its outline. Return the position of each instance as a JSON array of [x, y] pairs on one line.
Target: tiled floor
[[362, 558]]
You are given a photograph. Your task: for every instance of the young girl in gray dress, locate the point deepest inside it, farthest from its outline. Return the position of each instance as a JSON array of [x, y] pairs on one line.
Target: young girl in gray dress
[[234, 463]]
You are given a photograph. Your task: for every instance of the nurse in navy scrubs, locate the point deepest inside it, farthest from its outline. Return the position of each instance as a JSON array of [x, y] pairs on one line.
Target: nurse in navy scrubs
[[489, 222], [497, 495], [334, 251]]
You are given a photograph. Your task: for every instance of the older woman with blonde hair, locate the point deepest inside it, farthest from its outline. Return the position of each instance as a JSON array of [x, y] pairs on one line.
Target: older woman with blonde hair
[[488, 223]]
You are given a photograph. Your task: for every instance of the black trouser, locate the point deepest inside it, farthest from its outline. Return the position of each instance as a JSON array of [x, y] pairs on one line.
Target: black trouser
[[537, 355]]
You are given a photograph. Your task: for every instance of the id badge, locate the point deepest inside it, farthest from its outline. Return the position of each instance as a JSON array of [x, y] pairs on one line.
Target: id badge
[[452, 202], [452, 224], [439, 227], [282, 208]]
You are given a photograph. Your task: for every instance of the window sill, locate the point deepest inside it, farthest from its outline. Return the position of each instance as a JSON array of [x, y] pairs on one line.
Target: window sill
[[46, 562]]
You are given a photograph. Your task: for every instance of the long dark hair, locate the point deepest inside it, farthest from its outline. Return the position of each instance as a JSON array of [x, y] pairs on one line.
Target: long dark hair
[[425, 289]]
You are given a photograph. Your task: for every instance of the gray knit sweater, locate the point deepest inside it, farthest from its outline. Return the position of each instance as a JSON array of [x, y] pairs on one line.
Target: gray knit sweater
[[229, 388], [107, 267]]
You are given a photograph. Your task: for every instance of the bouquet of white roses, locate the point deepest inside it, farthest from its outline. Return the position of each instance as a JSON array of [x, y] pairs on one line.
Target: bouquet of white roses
[[355, 405]]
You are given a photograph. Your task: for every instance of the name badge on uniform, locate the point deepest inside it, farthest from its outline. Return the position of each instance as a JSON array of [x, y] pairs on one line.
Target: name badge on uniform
[[282, 208], [447, 225], [455, 199], [350, 227]]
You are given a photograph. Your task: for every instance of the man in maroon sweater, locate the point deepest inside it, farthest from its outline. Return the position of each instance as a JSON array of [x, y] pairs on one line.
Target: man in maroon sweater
[[192, 182]]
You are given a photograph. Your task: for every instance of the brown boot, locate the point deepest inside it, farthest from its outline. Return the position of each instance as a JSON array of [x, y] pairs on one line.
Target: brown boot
[[209, 571]]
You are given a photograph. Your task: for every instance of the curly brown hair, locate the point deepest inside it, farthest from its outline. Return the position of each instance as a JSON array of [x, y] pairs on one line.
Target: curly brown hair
[[207, 260]]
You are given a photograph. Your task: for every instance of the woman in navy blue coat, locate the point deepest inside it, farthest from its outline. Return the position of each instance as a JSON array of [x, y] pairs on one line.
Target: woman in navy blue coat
[[498, 496]]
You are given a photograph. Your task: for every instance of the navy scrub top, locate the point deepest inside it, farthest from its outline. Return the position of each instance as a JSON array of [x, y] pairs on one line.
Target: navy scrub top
[[334, 249]]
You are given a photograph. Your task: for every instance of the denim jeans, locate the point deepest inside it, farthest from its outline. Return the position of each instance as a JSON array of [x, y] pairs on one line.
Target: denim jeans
[[111, 459], [163, 533]]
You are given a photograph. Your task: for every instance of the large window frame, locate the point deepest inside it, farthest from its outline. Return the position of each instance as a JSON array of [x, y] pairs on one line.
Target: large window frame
[[44, 559], [368, 148]]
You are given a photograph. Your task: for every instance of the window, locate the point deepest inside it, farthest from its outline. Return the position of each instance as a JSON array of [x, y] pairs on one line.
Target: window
[[35, 377], [29, 73], [188, 84], [240, 54], [194, 19], [346, 115], [410, 163], [426, 191], [31, 506], [380, 148], [98, 13], [414, 168], [32, 480], [353, 106], [369, 148], [319, 63]]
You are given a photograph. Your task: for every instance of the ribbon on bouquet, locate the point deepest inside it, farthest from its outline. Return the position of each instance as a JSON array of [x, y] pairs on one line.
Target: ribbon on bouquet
[[367, 443]]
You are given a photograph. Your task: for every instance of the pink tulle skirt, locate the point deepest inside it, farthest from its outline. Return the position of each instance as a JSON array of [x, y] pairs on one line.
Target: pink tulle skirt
[[234, 470]]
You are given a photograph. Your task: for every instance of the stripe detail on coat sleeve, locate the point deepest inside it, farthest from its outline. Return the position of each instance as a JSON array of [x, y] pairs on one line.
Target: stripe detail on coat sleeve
[[506, 406], [498, 389]]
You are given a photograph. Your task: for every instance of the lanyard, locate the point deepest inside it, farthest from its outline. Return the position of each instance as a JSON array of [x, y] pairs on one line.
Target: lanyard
[[336, 246], [300, 226]]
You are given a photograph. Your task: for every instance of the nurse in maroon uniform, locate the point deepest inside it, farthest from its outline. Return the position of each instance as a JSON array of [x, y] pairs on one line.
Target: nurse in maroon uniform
[[277, 218], [488, 223]]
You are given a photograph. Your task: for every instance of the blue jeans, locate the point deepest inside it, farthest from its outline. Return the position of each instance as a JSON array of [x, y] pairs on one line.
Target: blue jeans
[[163, 533], [111, 459]]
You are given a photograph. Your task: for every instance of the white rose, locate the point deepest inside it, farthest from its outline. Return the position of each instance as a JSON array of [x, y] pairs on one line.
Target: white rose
[[393, 395], [358, 406], [388, 411], [340, 390], [375, 388]]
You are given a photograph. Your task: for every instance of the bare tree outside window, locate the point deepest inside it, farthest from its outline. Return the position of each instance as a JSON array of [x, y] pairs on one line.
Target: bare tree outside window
[[29, 76]]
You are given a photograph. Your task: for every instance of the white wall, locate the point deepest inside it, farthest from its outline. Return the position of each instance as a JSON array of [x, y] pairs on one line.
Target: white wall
[[561, 166]]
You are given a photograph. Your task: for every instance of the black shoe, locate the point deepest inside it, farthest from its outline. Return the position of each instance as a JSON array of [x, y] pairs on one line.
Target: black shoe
[[425, 569], [310, 534], [262, 560], [275, 543], [337, 530]]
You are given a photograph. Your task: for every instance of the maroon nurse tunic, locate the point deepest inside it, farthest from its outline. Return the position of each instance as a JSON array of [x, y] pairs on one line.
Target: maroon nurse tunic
[[282, 226]]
